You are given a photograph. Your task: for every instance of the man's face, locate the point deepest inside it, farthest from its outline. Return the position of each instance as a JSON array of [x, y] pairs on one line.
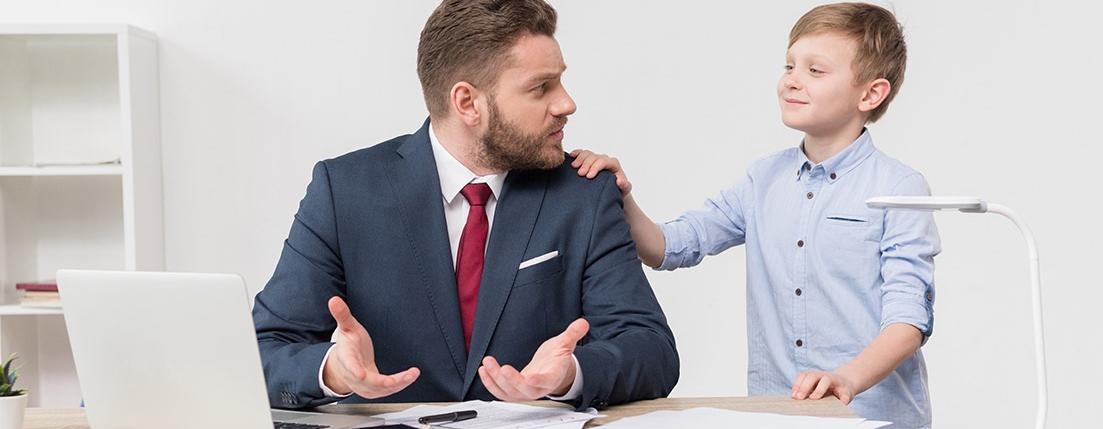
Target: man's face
[[527, 109], [817, 92]]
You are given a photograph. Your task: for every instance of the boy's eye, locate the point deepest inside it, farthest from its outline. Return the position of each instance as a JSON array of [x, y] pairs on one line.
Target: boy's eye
[[540, 89], [815, 70], [788, 67]]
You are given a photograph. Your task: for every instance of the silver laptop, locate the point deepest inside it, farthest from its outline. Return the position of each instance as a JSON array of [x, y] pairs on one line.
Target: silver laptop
[[169, 350]]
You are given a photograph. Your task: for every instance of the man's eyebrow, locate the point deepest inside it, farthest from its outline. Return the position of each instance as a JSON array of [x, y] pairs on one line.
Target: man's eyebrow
[[547, 75]]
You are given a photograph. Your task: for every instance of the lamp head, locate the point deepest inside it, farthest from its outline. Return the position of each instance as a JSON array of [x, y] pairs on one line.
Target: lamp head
[[964, 204]]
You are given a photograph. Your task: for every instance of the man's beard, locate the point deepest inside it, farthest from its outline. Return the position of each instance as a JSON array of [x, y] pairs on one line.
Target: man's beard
[[505, 147]]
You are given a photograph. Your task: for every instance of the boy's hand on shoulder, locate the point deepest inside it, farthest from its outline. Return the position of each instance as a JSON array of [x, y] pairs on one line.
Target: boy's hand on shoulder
[[589, 164], [816, 384]]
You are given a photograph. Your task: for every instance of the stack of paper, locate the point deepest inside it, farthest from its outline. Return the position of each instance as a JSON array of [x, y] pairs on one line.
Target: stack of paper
[[495, 415], [714, 417]]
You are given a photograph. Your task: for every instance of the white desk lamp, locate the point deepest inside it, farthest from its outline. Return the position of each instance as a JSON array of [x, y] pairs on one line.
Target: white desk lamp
[[976, 205]]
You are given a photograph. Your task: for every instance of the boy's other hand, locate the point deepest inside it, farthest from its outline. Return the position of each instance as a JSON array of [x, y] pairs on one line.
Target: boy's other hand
[[589, 164], [815, 384]]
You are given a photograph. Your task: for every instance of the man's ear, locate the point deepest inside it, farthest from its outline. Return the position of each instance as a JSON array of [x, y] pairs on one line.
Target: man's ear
[[466, 103], [875, 94]]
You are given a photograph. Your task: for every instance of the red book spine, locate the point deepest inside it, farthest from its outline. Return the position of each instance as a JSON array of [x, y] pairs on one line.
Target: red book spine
[[47, 286]]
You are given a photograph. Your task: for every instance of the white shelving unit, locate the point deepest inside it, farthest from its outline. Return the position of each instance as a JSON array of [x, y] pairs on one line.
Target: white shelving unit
[[80, 177]]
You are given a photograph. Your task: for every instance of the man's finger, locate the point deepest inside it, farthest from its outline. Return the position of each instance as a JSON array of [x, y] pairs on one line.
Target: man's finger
[[495, 372], [519, 381], [507, 385], [341, 313], [575, 332], [394, 382], [491, 385]]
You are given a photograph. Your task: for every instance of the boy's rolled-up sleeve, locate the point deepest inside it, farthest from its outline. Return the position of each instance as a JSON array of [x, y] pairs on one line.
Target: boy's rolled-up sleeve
[[908, 247], [719, 225]]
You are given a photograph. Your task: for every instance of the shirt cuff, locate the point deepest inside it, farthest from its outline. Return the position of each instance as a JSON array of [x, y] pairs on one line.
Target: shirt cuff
[[576, 389], [325, 389], [674, 246]]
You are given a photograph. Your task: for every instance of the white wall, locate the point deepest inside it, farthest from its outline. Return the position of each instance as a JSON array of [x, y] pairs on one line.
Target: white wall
[[1001, 100]]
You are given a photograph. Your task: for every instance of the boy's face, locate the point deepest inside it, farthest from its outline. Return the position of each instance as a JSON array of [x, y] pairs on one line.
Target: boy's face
[[817, 91]]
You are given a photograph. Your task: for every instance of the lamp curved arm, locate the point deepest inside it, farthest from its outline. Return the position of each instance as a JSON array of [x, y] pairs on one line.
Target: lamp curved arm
[[1036, 295]]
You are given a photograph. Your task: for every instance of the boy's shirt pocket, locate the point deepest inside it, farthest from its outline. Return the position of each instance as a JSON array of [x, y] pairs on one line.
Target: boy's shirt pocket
[[848, 227]]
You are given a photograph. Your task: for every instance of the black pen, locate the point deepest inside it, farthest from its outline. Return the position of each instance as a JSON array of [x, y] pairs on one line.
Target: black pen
[[457, 416]]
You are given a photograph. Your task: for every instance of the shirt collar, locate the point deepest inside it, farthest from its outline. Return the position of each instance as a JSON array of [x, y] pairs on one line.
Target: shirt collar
[[454, 175], [843, 162]]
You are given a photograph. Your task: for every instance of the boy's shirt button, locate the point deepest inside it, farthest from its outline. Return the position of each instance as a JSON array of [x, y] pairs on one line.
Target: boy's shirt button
[[810, 195], [833, 176], [800, 243], [798, 291], [800, 343]]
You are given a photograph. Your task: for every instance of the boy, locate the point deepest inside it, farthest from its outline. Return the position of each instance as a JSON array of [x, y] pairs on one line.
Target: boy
[[839, 295]]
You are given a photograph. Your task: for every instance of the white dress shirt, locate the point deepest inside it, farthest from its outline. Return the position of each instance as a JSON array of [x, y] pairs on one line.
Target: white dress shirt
[[453, 177]]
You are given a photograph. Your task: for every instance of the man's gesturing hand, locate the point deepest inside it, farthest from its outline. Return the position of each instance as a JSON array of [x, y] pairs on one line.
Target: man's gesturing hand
[[351, 364], [551, 371]]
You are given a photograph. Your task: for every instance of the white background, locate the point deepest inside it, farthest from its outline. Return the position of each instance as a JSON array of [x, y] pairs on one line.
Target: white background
[[1000, 101]]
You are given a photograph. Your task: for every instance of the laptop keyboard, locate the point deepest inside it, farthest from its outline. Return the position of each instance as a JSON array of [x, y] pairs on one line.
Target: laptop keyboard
[[288, 425]]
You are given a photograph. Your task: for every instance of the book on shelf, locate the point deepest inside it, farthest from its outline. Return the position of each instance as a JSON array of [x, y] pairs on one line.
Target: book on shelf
[[41, 294], [40, 286]]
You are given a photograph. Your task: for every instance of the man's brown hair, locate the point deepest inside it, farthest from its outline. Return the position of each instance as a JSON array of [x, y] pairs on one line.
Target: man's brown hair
[[881, 52], [469, 40]]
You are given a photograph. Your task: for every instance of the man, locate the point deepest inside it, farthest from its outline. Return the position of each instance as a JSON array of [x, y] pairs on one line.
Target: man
[[467, 260]]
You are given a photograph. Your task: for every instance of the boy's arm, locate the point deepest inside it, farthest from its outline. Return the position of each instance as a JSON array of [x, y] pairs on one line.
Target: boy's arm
[[650, 243], [895, 344], [681, 243]]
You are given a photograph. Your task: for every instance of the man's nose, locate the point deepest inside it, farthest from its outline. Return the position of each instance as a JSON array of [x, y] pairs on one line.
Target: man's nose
[[564, 106]]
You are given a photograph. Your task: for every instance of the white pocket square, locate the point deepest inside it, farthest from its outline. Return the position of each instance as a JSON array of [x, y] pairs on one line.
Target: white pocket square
[[542, 258]]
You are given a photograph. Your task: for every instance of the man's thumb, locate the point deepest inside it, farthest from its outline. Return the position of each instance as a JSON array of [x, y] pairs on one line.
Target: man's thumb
[[576, 331]]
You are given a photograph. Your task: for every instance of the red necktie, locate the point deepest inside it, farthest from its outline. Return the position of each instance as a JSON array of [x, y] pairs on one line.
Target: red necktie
[[469, 258]]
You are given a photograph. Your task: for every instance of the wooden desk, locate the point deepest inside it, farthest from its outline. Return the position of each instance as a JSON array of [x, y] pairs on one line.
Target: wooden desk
[[45, 418]]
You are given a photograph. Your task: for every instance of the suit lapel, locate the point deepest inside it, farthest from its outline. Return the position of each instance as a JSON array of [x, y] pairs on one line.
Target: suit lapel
[[417, 188], [514, 219]]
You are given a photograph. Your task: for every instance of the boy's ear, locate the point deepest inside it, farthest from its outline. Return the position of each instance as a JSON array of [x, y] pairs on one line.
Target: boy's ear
[[466, 103], [875, 94]]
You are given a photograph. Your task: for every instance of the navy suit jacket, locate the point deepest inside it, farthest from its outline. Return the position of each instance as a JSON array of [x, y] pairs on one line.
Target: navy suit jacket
[[371, 229]]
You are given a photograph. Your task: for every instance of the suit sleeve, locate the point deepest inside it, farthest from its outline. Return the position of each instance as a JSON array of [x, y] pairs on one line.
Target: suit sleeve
[[629, 353], [291, 315]]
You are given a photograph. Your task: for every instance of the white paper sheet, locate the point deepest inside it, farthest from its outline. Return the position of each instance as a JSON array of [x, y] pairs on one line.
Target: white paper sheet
[[714, 417], [495, 415]]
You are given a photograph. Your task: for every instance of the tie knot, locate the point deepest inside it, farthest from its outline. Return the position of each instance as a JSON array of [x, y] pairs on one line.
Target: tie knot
[[477, 194]]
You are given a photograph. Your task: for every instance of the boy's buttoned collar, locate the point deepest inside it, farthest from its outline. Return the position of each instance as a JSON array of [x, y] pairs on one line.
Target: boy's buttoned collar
[[840, 164]]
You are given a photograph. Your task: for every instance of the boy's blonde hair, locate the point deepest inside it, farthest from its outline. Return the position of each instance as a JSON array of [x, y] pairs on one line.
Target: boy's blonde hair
[[881, 52]]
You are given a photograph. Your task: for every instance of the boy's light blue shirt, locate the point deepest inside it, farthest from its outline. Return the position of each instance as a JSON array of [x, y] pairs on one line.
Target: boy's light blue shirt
[[825, 273]]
